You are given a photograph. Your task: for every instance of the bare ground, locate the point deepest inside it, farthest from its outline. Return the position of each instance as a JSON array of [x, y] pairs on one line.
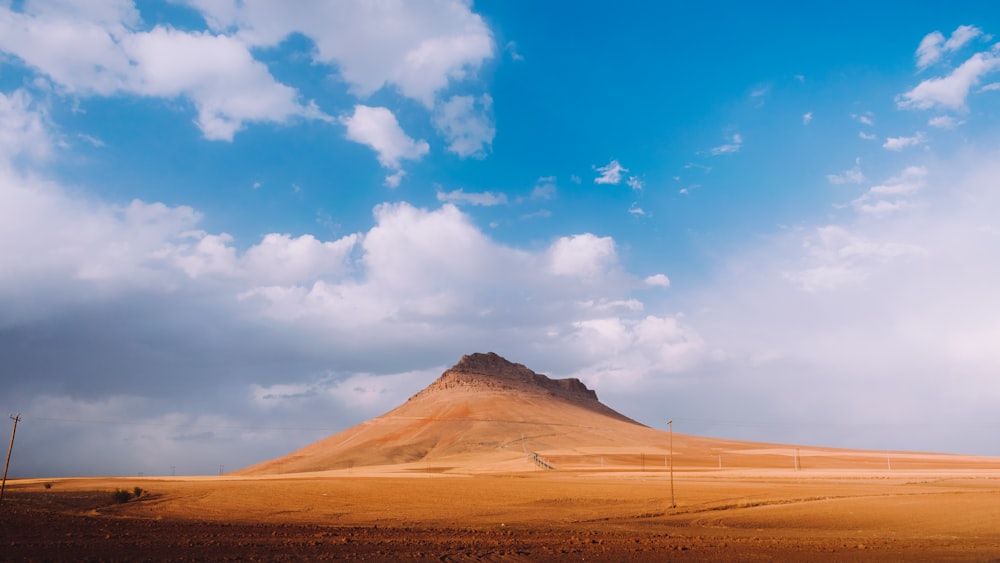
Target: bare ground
[[428, 515]]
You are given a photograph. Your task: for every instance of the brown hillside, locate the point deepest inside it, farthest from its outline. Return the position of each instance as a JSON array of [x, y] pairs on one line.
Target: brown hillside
[[483, 411], [487, 414]]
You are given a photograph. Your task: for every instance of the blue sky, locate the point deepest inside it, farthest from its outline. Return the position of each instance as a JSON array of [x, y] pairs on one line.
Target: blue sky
[[228, 229]]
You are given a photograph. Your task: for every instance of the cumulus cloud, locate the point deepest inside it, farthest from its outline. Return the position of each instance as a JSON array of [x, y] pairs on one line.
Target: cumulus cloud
[[377, 127], [933, 46], [657, 280], [466, 122], [583, 256], [807, 118], [96, 52], [23, 132], [611, 173], [418, 48], [951, 91], [635, 183]]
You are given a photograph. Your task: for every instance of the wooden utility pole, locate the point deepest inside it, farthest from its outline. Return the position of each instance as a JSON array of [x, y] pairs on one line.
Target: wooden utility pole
[[3, 484], [670, 425]]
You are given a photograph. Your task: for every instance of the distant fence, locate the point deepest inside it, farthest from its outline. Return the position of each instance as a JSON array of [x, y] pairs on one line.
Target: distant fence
[[791, 459], [539, 462]]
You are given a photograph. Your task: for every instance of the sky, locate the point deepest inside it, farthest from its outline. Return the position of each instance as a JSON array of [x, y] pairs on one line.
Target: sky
[[229, 228]]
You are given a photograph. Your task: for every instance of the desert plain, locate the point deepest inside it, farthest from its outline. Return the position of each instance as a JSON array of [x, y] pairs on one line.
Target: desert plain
[[493, 462]]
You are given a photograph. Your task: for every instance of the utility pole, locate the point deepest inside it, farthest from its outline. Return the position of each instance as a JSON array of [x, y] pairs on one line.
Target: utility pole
[[3, 485], [670, 425]]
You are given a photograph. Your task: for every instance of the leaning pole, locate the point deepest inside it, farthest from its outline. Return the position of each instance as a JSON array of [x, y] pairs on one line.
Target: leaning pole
[[10, 448]]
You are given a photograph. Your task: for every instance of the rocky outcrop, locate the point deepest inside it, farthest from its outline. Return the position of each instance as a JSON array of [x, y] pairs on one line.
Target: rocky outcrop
[[491, 371]]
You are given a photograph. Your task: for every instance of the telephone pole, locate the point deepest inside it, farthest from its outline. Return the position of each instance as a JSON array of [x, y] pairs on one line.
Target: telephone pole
[[670, 425], [3, 484]]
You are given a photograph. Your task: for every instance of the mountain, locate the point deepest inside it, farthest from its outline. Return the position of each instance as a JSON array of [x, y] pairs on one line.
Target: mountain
[[482, 412], [486, 414]]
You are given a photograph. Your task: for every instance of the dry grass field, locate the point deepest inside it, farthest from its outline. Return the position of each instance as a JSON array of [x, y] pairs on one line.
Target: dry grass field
[[496, 463], [426, 515]]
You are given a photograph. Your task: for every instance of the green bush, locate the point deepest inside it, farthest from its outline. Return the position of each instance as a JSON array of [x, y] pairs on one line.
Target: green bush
[[120, 496]]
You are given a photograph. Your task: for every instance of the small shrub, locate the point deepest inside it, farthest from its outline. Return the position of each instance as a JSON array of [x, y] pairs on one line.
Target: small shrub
[[137, 492], [120, 496], [47, 485]]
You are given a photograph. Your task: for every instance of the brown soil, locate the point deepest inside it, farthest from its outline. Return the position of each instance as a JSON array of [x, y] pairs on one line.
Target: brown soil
[[725, 515]]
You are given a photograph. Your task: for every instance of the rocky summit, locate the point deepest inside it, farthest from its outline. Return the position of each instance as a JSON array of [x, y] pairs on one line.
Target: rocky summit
[[492, 371]]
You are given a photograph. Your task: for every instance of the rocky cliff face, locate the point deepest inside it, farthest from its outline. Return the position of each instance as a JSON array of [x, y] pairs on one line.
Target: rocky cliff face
[[491, 371]]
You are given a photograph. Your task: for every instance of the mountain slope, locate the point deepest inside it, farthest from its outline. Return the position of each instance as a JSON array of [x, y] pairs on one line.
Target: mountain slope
[[483, 410]]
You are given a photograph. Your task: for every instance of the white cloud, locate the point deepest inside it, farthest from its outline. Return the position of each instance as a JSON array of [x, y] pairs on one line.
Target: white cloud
[[634, 209], [377, 127], [867, 136], [22, 128], [657, 280], [459, 196], [622, 353], [610, 173], [944, 122], [277, 259], [838, 258], [991, 87], [466, 122], [899, 143], [419, 48], [929, 50], [393, 180], [736, 141], [635, 183], [583, 256], [511, 48], [907, 183], [867, 118], [218, 73], [851, 176], [933, 46], [95, 52], [807, 118], [950, 91], [545, 188]]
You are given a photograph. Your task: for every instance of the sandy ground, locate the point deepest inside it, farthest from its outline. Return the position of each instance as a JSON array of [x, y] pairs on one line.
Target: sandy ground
[[427, 514]]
